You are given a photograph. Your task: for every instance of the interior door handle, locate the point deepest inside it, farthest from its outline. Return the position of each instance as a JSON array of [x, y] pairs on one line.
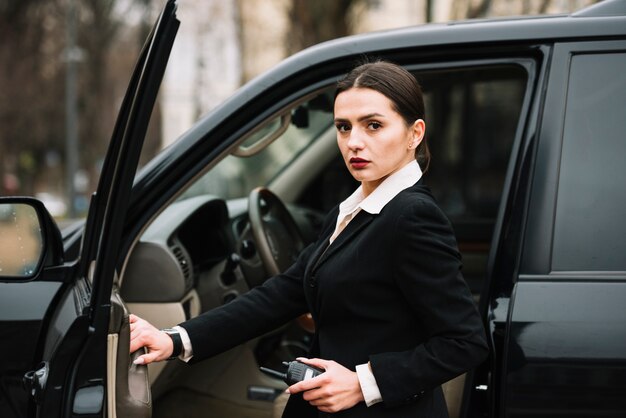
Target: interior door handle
[[35, 381]]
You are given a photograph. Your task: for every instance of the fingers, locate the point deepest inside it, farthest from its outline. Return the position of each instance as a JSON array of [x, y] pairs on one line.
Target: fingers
[[308, 384], [158, 344], [139, 336], [336, 389], [136, 343], [144, 334], [136, 323], [315, 382], [146, 358], [316, 362], [141, 360], [316, 396]]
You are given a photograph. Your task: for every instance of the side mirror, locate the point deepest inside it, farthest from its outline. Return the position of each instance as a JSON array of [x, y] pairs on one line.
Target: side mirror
[[29, 239]]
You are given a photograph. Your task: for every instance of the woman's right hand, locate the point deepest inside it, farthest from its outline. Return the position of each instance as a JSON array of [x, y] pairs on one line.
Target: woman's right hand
[[144, 334]]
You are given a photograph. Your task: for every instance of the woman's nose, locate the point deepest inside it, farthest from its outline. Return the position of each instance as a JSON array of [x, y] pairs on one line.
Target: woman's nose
[[355, 141]]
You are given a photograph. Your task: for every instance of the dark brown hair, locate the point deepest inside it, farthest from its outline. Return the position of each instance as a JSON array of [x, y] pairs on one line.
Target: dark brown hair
[[399, 86]]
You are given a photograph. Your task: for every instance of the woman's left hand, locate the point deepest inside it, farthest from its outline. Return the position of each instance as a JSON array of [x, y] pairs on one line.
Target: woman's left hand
[[332, 391]]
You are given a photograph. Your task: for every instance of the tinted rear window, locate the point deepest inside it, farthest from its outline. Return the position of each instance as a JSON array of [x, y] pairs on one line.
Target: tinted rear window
[[590, 226]]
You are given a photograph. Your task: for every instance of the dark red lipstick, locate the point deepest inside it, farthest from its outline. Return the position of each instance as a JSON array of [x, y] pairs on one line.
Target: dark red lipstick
[[357, 163]]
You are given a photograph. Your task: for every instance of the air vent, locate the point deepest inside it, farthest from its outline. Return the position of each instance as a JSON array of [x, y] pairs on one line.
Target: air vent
[[183, 263]]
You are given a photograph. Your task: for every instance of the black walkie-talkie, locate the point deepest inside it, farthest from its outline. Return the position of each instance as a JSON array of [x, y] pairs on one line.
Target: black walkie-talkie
[[296, 372]]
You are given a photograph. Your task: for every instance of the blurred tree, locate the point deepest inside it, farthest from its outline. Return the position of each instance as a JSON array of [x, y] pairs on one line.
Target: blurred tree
[[112, 48], [32, 85], [96, 31], [479, 9], [317, 21], [31, 88], [473, 9]]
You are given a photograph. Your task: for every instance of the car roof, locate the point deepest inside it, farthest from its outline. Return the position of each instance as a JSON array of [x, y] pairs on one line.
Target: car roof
[[479, 31]]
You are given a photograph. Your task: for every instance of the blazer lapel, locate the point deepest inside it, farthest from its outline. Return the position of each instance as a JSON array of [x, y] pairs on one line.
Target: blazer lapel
[[319, 251], [356, 225]]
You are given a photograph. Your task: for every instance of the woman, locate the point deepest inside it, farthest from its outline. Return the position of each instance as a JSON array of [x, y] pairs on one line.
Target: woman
[[394, 317]]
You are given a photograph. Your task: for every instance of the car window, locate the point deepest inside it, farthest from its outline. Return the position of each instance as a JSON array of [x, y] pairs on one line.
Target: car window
[[234, 176], [472, 116], [591, 201]]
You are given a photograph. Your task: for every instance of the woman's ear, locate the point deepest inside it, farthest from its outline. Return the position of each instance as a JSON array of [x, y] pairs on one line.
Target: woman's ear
[[418, 129]]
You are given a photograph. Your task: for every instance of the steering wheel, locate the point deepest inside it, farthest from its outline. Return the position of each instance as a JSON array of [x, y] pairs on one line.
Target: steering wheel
[[275, 232], [277, 237]]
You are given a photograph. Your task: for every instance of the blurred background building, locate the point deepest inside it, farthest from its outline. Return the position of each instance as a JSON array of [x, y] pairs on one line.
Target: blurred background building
[[66, 63]]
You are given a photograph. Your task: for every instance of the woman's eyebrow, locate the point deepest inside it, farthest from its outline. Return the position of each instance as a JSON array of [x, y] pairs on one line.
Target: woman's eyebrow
[[362, 118]]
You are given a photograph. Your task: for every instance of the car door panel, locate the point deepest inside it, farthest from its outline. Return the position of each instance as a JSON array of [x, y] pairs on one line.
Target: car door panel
[[556, 323], [128, 384], [20, 327]]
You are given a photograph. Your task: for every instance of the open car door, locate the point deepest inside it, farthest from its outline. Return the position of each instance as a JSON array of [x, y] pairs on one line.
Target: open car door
[[80, 366]]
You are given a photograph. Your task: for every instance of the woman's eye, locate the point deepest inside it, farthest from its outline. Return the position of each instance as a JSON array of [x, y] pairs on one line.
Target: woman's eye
[[342, 127], [374, 125]]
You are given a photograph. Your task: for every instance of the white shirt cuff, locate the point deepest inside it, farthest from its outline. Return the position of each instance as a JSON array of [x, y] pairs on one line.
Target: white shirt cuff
[[369, 387], [187, 353]]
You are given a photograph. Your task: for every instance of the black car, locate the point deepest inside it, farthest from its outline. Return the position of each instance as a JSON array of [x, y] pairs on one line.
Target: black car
[[526, 121]]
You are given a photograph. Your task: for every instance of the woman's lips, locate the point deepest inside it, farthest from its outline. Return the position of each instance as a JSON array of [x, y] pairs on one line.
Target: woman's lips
[[358, 162]]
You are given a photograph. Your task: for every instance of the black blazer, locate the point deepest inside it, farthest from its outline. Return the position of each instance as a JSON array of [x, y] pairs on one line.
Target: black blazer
[[388, 290]]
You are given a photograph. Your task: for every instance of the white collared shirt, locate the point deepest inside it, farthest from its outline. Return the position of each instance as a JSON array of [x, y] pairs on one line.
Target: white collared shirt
[[376, 201]]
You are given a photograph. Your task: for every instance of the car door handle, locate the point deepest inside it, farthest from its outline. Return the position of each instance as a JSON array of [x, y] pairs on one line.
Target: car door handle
[[35, 381]]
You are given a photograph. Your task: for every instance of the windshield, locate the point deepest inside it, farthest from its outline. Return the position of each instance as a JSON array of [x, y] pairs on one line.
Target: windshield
[[234, 177]]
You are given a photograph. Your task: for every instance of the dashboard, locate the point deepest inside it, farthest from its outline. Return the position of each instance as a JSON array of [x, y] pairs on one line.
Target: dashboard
[[201, 245], [187, 240]]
